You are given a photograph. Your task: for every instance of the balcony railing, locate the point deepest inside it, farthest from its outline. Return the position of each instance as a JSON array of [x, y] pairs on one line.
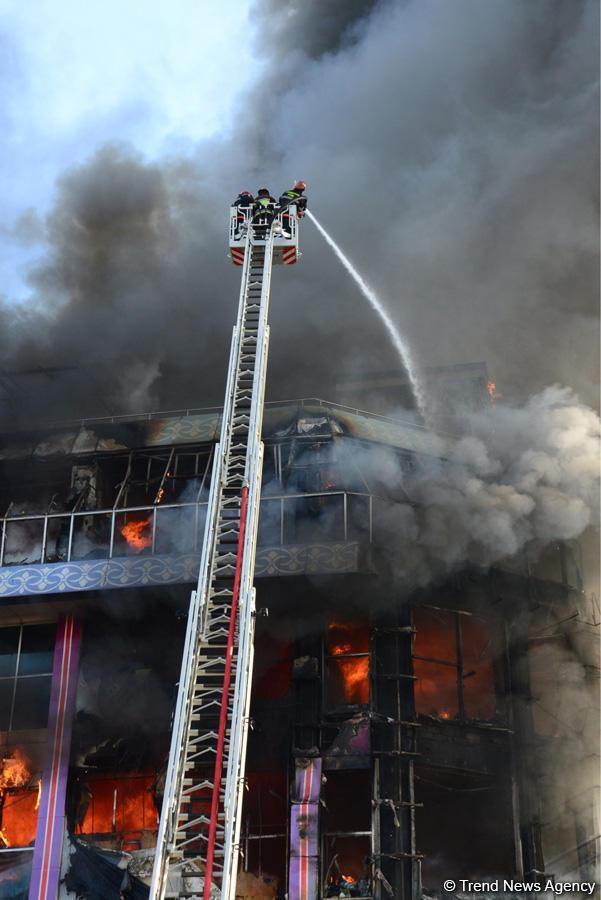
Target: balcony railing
[[178, 528]]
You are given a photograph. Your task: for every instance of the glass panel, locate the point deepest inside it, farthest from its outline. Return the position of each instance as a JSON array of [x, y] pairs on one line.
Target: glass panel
[[9, 642], [7, 686], [478, 673], [435, 636], [435, 689], [37, 649], [174, 529], [32, 699], [91, 537], [133, 533], [23, 543], [57, 539]]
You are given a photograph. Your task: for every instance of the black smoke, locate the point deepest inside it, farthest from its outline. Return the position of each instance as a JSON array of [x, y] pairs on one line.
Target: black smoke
[[450, 148]]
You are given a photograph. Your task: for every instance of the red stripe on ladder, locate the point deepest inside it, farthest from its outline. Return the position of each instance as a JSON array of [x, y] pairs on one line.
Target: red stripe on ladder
[[224, 701]]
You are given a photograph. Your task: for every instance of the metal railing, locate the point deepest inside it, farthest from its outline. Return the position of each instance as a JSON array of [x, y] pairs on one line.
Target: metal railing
[[186, 412], [178, 528]]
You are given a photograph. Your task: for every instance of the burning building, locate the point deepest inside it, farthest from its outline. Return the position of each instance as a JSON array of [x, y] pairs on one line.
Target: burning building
[[401, 732]]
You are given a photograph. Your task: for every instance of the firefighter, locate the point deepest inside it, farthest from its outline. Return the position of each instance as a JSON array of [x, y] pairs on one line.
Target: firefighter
[[243, 203], [294, 195], [263, 210]]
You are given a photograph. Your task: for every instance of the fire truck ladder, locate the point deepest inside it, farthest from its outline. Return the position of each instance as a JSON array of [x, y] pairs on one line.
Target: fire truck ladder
[[201, 813]]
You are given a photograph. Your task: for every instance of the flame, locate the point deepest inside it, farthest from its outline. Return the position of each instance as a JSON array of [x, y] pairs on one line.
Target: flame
[[14, 772], [19, 802], [133, 811], [491, 387], [133, 534], [39, 794], [349, 879], [160, 495], [353, 669], [445, 714]]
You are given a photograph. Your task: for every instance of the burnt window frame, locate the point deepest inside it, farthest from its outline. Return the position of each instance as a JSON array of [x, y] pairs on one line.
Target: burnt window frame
[[331, 709], [326, 834], [501, 712], [18, 679]]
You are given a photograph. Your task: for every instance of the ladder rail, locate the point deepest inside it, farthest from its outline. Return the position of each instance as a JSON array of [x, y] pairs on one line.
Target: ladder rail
[[202, 804], [241, 711], [181, 724]]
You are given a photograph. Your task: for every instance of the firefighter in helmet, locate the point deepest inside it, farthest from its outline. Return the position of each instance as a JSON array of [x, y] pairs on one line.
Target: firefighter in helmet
[[263, 210], [294, 195], [243, 203]]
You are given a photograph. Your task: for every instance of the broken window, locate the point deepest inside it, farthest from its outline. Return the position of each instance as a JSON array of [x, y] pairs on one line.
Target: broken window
[[347, 664], [265, 826], [346, 833], [116, 804], [464, 825], [453, 662], [20, 787], [25, 674]]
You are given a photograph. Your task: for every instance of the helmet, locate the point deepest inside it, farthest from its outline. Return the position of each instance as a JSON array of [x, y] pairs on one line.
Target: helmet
[[299, 186], [264, 192], [245, 194]]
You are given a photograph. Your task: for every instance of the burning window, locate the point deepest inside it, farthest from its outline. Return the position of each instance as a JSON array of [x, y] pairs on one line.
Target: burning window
[[453, 664], [19, 801], [117, 804], [25, 675], [347, 664]]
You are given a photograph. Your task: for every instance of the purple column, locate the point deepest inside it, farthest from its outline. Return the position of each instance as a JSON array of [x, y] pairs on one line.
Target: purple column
[[46, 865], [304, 831]]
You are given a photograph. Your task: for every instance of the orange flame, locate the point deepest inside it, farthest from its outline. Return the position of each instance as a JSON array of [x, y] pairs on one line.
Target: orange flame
[[121, 804], [20, 803], [133, 534], [14, 772], [39, 795], [491, 387], [354, 670]]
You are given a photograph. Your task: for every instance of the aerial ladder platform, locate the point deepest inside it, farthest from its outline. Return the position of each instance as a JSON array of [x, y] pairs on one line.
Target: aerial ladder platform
[[199, 830]]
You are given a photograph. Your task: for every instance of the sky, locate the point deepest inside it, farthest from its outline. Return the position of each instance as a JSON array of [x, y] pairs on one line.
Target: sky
[[160, 76]]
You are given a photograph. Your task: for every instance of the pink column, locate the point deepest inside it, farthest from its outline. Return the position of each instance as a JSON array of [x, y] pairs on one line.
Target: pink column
[[47, 854]]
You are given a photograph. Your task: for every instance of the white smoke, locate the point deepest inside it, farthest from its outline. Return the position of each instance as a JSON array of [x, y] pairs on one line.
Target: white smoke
[[518, 475]]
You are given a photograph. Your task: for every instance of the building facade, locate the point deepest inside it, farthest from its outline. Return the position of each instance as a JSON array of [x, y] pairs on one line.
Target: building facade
[[400, 735]]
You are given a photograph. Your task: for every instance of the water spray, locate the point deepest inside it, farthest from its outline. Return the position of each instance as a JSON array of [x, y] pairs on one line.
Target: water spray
[[397, 341]]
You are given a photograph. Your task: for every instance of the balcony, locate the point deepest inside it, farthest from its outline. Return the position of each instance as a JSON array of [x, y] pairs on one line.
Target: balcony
[[319, 533]]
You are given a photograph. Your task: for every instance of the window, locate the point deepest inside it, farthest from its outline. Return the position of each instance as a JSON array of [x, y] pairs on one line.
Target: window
[[453, 658], [346, 833], [347, 664], [455, 829], [26, 653]]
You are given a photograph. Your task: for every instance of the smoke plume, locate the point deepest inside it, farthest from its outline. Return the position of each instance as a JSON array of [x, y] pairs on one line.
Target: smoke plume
[[521, 476], [451, 148]]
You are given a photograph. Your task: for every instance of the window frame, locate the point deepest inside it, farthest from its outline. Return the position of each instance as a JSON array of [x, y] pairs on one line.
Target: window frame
[[458, 665], [15, 678]]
